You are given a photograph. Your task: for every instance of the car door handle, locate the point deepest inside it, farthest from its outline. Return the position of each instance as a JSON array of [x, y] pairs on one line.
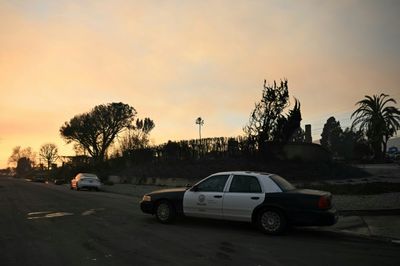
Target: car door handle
[[255, 198], [218, 196]]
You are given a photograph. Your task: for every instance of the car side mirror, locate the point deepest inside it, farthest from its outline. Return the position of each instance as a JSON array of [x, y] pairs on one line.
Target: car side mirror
[[194, 189], [188, 186]]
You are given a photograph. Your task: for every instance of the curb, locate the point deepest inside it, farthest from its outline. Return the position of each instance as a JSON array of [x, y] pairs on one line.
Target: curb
[[362, 236], [347, 233], [372, 212]]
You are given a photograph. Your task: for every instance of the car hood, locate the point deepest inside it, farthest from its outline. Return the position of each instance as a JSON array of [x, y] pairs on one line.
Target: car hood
[[168, 190]]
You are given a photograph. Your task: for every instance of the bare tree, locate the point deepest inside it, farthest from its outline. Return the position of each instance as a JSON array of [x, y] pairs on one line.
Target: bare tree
[[19, 153], [137, 136], [49, 153]]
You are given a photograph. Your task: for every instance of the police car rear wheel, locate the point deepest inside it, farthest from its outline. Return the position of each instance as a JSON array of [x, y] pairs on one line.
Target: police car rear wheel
[[272, 222], [165, 212]]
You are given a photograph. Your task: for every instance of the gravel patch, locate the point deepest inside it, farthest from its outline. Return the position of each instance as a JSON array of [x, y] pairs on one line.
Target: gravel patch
[[367, 202]]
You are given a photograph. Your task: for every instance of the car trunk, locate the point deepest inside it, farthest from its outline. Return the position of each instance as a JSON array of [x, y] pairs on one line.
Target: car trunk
[[311, 199]]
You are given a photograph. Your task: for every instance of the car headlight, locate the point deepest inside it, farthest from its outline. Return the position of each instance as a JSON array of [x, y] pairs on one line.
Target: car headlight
[[146, 198]]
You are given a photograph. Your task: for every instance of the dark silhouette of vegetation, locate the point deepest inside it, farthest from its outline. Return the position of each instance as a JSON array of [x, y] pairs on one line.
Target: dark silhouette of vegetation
[[210, 148], [24, 167], [268, 122], [347, 144], [354, 146], [287, 126], [331, 134], [19, 153], [137, 136], [49, 153], [264, 118], [299, 136], [96, 130], [377, 120]]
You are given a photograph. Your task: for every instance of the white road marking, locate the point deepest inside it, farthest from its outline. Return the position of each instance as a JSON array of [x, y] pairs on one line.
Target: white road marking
[[91, 211], [47, 215], [37, 213]]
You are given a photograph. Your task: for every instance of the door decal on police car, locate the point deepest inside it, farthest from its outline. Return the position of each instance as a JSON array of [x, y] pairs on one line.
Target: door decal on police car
[[201, 200]]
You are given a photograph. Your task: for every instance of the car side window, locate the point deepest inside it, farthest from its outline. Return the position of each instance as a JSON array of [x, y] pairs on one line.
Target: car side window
[[245, 184], [213, 184]]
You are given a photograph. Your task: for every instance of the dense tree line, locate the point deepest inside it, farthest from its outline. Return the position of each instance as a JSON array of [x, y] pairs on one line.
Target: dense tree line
[[218, 147]]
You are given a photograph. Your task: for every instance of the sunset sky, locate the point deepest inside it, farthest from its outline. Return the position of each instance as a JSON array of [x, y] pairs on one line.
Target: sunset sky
[[176, 60]]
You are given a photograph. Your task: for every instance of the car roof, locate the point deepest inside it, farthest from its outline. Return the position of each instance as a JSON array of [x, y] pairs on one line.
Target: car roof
[[243, 173]]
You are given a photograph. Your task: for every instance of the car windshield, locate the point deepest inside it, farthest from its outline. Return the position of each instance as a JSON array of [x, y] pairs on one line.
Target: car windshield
[[282, 183]]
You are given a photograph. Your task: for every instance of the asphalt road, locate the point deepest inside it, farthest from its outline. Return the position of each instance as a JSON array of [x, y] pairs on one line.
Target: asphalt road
[[44, 224]]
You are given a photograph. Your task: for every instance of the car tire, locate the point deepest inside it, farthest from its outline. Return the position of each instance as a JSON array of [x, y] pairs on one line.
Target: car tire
[[165, 212], [272, 221], [77, 187]]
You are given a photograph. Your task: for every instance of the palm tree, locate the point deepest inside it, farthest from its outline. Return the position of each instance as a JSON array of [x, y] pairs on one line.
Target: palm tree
[[200, 122], [378, 120]]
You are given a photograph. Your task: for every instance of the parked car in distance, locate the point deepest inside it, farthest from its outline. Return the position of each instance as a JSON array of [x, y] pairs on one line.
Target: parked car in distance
[[39, 178], [86, 181], [267, 200]]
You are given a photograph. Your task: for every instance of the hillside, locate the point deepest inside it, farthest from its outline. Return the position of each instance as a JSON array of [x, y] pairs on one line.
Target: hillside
[[394, 142]]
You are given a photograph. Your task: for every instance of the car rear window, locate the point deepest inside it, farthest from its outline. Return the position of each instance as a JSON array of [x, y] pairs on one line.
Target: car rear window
[[282, 183], [89, 177], [245, 184]]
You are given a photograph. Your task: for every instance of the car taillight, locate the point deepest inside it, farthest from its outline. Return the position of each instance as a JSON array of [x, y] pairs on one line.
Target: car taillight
[[324, 202]]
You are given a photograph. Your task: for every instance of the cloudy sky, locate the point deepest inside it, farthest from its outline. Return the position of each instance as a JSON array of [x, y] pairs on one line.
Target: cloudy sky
[[177, 60]]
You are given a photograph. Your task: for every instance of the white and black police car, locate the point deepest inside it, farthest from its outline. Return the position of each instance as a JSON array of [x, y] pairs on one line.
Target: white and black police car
[[267, 200]]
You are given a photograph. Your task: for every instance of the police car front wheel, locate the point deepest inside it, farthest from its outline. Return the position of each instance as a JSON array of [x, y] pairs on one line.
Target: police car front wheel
[[165, 212]]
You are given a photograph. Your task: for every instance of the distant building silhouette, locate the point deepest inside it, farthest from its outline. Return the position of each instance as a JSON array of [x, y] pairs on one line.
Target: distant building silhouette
[[308, 137]]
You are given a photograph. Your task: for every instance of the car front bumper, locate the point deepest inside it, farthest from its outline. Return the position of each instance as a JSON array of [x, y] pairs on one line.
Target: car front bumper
[[147, 207]]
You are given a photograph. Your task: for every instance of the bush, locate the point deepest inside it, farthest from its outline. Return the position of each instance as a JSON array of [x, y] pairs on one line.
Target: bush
[[108, 183]]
